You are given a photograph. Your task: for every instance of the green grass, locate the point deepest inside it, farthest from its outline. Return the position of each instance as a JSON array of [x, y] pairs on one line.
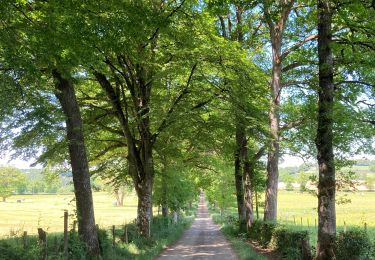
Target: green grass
[[163, 232], [293, 205], [47, 211]]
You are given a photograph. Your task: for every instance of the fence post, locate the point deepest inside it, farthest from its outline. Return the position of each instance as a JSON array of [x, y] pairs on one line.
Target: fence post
[[113, 236], [315, 223], [294, 218], [301, 221], [24, 239], [74, 225], [66, 234], [126, 235], [365, 227], [43, 242], [344, 227]]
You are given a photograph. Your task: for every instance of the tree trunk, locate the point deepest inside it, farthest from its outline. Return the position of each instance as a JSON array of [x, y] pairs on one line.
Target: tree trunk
[[238, 173], [144, 210], [270, 211], [78, 159], [248, 172], [256, 204], [276, 36], [140, 157], [324, 144], [164, 204]]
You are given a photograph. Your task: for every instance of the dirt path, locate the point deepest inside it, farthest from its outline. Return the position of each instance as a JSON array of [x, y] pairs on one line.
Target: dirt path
[[203, 240]]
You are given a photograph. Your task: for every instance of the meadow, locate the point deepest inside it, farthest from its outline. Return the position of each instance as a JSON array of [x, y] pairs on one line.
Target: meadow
[[47, 211], [294, 205], [298, 211]]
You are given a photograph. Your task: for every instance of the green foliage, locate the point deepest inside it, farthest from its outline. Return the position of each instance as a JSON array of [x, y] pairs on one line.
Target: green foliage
[[289, 242], [302, 179], [262, 232], [10, 180], [232, 232], [354, 244], [163, 233]]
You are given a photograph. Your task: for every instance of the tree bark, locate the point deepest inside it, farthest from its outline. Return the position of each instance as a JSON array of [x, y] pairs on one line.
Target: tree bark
[[164, 205], [276, 36], [140, 157], [324, 137], [270, 211], [248, 172], [81, 177], [238, 173]]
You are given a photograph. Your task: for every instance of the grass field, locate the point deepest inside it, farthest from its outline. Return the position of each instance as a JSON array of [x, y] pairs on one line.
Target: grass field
[[47, 211], [294, 206]]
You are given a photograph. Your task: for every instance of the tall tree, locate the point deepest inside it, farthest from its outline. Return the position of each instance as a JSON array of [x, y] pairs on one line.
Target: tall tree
[[276, 29], [34, 71], [324, 137], [78, 159]]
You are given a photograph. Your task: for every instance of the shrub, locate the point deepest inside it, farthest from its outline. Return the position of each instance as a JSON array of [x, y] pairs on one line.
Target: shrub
[[8, 252], [354, 244], [291, 244], [262, 231]]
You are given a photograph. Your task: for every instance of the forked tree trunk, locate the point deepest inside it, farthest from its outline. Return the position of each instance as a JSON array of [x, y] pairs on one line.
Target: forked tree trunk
[[248, 171], [324, 144], [140, 157], [78, 159], [276, 36]]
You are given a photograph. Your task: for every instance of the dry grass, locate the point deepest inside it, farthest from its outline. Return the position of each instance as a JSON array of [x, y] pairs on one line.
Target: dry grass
[[46, 211]]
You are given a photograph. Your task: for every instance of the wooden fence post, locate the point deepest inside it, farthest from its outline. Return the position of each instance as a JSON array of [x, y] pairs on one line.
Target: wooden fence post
[[365, 227], [344, 227], [43, 242], [113, 235], [66, 234], [24, 239], [126, 235], [74, 225]]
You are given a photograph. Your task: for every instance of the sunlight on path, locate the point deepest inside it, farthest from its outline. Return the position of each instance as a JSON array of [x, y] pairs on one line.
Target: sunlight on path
[[203, 240]]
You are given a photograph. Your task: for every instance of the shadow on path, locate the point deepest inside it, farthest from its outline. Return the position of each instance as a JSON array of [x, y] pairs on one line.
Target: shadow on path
[[203, 240]]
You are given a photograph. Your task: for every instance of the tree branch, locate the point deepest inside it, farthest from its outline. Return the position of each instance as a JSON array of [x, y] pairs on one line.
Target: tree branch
[[297, 45], [184, 91], [293, 124]]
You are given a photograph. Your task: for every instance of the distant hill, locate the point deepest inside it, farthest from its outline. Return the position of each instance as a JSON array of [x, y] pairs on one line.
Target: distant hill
[[362, 168]]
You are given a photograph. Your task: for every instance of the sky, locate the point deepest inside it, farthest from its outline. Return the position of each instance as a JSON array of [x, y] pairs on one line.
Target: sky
[[21, 164], [287, 161]]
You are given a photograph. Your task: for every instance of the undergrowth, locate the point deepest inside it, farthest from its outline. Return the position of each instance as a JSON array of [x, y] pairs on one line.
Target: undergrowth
[[163, 232]]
